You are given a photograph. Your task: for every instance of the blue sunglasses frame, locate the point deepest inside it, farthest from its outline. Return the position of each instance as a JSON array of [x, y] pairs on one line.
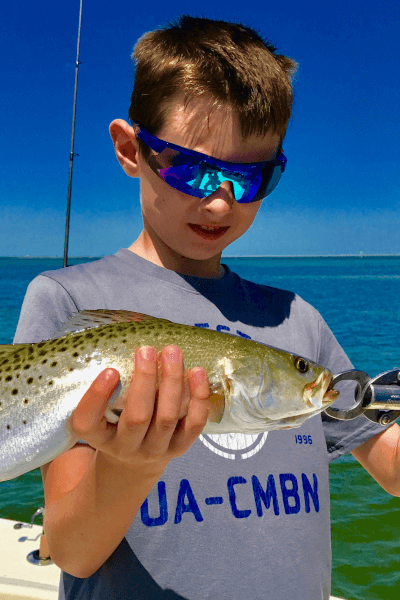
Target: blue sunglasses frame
[[186, 170]]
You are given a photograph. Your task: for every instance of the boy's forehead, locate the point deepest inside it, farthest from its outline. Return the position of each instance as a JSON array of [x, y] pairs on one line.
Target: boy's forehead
[[207, 126]]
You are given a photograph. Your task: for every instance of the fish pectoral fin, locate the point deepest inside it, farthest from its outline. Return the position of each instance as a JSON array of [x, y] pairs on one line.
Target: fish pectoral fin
[[217, 388], [112, 414], [88, 319], [216, 402]]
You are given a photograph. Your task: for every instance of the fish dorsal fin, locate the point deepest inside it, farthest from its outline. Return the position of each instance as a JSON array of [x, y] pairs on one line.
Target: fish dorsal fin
[[88, 319], [7, 350]]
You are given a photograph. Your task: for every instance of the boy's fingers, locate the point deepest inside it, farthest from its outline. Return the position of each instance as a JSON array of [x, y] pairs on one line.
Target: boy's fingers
[[139, 406], [169, 401], [171, 387], [193, 424], [90, 410]]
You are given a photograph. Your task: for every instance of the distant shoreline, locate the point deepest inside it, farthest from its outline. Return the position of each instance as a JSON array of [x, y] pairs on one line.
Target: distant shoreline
[[360, 255], [316, 256]]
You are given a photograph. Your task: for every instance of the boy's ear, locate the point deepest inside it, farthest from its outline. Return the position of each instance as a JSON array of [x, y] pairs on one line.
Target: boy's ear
[[126, 146]]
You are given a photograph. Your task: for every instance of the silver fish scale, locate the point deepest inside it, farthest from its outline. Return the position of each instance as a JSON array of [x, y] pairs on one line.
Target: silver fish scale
[[41, 384], [34, 379]]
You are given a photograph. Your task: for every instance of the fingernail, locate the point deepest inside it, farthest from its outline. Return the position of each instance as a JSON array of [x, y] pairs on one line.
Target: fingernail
[[147, 353], [109, 374], [198, 375], [173, 354]]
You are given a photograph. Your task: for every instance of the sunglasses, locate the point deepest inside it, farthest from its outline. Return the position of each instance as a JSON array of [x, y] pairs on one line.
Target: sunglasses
[[201, 175]]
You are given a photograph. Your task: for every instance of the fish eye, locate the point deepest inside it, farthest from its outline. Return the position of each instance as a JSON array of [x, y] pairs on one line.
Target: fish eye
[[301, 364]]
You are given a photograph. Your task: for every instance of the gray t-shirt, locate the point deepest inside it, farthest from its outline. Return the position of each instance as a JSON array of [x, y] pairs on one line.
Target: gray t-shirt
[[238, 516]]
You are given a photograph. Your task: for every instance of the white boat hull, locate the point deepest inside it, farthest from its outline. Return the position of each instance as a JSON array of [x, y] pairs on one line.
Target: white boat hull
[[20, 580]]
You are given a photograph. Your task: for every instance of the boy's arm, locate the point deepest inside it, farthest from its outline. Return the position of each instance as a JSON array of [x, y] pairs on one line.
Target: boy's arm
[[92, 496], [380, 456]]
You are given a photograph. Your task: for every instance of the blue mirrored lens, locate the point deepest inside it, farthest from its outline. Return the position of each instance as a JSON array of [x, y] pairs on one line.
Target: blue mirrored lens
[[198, 175], [207, 179]]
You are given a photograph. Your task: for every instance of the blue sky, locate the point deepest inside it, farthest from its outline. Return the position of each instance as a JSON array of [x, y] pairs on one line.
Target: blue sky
[[339, 195]]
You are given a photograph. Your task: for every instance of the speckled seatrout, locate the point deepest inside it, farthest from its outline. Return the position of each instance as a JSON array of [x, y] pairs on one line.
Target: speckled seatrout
[[255, 387]]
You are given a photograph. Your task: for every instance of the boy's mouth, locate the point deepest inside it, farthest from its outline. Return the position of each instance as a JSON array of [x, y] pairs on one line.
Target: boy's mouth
[[208, 232]]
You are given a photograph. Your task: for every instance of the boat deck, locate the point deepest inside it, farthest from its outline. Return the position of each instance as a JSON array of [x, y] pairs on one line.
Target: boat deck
[[20, 580]]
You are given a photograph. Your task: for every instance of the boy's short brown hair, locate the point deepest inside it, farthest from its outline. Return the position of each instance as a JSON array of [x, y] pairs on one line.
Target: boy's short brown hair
[[228, 62]]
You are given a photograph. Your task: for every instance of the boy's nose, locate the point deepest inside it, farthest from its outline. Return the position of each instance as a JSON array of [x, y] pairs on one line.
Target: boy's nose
[[221, 200]]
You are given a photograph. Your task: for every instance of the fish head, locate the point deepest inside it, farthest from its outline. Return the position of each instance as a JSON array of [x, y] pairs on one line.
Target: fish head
[[273, 389], [295, 386]]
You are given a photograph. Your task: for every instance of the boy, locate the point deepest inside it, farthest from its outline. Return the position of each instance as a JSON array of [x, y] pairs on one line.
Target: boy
[[231, 516]]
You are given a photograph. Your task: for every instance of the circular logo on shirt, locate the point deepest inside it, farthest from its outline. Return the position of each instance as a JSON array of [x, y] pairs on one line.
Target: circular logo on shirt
[[234, 445]]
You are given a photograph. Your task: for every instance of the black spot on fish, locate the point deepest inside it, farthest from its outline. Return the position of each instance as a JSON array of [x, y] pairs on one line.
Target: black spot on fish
[[30, 350], [71, 369], [28, 366], [17, 376], [44, 361], [29, 380], [8, 369], [63, 349], [40, 377], [124, 341], [24, 422], [51, 382], [41, 344], [75, 354], [88, 359], [9, 378], [61, 341], [8, 426], [42, 353], [26, 401], [89, 335], [5, 361], [14, 392], [54, 364]]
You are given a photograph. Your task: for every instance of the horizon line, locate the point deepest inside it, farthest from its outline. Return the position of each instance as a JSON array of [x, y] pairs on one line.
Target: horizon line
[[359, 255]]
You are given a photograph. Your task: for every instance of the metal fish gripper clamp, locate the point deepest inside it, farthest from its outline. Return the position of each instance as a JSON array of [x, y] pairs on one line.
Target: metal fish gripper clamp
[[377, 398]]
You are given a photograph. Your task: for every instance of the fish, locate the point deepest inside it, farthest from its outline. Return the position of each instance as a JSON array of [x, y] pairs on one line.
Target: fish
[[254, 387]]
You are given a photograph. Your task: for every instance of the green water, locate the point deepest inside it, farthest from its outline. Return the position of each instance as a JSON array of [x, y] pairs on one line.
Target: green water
[[360, 300]]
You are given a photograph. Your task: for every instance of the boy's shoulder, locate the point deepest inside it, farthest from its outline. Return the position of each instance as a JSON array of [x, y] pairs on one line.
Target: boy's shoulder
[[89, 268], [281, 304]]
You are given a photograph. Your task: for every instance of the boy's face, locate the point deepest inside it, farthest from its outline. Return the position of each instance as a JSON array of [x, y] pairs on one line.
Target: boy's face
[[186, 233]]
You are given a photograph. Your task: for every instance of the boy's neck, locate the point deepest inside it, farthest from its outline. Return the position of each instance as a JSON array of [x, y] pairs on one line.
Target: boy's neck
[[163, 256]]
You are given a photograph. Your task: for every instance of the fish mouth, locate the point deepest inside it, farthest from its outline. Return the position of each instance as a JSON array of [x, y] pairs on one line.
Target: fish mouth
[[330, 395], [322, 385]]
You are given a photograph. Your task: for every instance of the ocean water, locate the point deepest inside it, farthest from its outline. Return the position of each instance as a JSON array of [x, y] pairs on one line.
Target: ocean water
[[359, 297]]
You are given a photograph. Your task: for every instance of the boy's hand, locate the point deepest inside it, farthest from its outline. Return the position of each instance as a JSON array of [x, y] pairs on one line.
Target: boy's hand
[[153, 427]]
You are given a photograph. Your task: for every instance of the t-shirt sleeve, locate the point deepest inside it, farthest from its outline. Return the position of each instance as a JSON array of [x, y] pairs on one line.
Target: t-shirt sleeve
[[46, 306], [342, 436]]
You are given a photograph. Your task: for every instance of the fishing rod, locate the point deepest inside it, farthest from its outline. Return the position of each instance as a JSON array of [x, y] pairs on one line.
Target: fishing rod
[[72, 154]]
